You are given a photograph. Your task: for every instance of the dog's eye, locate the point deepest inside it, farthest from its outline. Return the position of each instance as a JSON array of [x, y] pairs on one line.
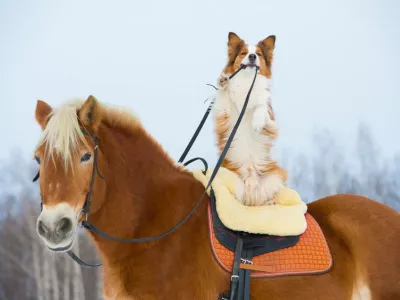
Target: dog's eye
[[243, 53], [259, 54], [86, 157], [37, 159]]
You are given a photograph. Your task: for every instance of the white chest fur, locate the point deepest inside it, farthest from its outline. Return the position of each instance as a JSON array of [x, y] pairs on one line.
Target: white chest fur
[[239, 87], [250, 147]]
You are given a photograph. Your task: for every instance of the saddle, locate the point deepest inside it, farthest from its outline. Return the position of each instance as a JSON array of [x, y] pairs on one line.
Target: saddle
[[247, 255], [263, 241]]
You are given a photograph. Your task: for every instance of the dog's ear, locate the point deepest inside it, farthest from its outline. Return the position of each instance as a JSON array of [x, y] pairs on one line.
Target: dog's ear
[[42, 113], [267, 47], [235, 43]]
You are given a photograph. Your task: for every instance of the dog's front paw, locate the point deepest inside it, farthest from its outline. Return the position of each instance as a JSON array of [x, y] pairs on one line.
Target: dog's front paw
[[259, 119], [223, 82]]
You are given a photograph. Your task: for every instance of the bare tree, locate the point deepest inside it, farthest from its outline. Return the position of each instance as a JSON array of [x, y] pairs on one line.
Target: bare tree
[[77, 282], [67, 277]]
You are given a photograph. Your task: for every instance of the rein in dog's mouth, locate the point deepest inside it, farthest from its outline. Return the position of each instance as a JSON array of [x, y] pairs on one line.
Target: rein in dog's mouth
[[244, 66]]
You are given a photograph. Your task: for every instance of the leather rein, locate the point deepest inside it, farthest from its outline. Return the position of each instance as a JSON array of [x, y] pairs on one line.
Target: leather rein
[[85, 211]]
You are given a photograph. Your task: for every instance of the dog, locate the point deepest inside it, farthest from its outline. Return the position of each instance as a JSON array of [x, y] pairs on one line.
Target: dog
[[249, 154]]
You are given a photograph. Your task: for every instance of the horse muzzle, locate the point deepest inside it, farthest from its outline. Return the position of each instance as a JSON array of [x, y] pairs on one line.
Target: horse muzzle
[[56, 226]]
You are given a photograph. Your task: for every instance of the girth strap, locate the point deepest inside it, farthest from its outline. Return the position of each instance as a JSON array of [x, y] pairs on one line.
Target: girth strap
[[241, 284], [236, 268], [247, 255], [240, 277]]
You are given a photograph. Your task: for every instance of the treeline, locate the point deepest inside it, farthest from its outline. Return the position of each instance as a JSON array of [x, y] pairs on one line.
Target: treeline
[[332, 170]]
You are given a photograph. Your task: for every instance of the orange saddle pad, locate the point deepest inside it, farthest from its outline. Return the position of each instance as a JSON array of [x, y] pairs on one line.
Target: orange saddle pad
[[311, 254]]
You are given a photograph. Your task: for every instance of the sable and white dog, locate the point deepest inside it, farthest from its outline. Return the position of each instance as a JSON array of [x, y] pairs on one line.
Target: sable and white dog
[[249, 154]]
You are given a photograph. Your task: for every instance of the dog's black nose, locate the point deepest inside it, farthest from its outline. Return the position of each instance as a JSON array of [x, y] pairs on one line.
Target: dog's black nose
[[252, 57]]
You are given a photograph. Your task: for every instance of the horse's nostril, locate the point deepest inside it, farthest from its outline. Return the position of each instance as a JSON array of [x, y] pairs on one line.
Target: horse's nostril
[[42, 229], [64, 226]]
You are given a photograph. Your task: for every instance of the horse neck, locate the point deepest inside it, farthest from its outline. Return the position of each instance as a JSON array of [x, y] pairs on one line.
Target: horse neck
[[146, 193]]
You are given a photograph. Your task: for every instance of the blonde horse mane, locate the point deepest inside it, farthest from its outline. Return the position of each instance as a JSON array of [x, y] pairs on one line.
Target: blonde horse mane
[[63, 133]]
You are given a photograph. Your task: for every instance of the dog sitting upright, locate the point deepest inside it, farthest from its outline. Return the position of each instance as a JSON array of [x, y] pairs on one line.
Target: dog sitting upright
[[249, 154]]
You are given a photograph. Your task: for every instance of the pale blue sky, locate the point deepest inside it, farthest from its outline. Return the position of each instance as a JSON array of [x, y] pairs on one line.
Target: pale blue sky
[[336, 64]]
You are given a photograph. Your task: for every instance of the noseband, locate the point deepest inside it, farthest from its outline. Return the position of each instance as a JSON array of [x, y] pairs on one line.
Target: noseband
[[86, 207]]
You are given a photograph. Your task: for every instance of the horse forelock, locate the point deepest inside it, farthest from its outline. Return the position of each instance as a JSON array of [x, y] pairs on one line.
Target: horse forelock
[[63, 133]]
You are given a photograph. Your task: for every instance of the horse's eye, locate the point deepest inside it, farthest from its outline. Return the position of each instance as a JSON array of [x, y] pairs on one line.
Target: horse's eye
[[86, 157], [37, 159]]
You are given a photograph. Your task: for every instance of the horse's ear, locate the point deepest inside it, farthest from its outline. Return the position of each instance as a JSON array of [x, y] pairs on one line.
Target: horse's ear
[[267, 46], [42, 113], [90, 113]]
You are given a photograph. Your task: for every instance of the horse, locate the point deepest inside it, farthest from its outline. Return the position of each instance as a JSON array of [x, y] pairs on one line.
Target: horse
[[144, 193]]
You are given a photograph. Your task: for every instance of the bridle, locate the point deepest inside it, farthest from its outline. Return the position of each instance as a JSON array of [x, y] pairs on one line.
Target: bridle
[[86, 206], [85, 211]]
